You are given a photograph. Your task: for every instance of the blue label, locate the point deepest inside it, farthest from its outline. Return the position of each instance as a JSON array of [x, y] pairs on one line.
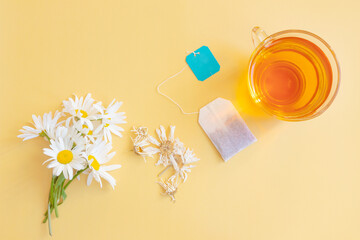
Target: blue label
[[203, 63]]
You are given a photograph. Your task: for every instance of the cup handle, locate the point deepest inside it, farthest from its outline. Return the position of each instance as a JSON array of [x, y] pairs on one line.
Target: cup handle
[[258, 35]]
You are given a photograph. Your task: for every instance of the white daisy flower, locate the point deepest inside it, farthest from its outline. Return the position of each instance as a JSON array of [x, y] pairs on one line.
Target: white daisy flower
[[65, 156], [82, 110], [76, 136], [44, 126], [170, 188], [98, 154], [110, 119], [85, 131], [167, 147]]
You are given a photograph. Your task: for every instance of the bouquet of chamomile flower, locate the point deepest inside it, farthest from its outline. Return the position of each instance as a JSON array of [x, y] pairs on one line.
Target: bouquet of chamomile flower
[[80, 138]]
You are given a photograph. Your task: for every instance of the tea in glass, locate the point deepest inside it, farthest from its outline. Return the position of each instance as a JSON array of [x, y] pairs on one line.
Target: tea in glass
[[292, 77]]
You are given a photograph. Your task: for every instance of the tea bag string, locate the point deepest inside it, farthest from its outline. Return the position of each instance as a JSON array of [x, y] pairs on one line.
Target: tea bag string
[[172, 100]]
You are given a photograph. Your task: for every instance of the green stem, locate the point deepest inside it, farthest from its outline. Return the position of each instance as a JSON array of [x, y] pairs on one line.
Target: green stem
[[54, 180], [49, 205], [49, 220], [57, 193], [44, 134], [77, 174], [96, 119]]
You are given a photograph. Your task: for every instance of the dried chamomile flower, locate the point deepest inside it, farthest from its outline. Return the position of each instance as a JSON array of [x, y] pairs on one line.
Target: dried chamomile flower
[[172, 155], [139, 146], [170, 188], [167, 147], [179, 147], [140, 132], [142, 148], [141, 143], [184, 162]]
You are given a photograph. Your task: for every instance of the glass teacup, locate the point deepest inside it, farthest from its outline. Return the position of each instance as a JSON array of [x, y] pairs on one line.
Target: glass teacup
[[293, 74]]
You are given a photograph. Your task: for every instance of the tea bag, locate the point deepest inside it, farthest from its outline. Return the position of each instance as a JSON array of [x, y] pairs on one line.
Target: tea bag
[[225, 128], [219, 119]]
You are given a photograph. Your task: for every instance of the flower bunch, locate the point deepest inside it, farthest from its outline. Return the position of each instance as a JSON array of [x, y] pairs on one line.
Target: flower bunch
[[171, 152], [80, 141]]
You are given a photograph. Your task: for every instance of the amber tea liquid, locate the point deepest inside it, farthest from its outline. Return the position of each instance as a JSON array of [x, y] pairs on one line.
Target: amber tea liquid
[[291, 77]]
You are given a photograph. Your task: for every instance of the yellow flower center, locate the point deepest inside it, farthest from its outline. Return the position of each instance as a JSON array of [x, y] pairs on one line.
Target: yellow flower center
[[95, 164], [65, 156], [90, 132], [138, 150], [167, 148], [84, 114], [105, 116], [106, 125]]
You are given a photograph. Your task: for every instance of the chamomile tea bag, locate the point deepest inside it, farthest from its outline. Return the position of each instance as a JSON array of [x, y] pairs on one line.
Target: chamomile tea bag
[[225, 128], [219, 119]]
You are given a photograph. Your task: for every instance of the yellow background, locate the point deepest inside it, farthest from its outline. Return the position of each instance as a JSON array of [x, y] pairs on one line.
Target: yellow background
[[299, 181]]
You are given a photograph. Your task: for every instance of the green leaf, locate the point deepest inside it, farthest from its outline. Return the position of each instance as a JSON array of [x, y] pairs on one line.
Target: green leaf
[[63, 194], [55, 206], [60, 180]]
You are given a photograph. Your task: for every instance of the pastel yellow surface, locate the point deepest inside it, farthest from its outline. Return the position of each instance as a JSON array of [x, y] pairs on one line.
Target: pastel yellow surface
[[299, 181]]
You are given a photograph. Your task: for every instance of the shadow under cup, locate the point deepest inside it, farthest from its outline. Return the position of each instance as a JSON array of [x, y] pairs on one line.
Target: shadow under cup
[[294, 75]]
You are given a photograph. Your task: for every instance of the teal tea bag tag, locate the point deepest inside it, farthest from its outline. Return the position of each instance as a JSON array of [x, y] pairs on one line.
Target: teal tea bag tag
[[203, 63]]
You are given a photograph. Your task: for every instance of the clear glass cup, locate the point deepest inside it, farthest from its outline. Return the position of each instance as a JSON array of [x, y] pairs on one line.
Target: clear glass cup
[[316, 96]]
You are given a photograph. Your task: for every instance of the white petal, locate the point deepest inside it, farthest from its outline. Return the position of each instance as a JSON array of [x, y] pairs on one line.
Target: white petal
[[55, 169], [36, 121], [88, 123], [27, 136], [52, 164], [151, 150], [108, 178], [65, 172], [70, 171], [111, 167], [161, 133], [49, 152], [171, 135], [153, 140], [174, 163], [77, 165], [59, 170], [89, 179]]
